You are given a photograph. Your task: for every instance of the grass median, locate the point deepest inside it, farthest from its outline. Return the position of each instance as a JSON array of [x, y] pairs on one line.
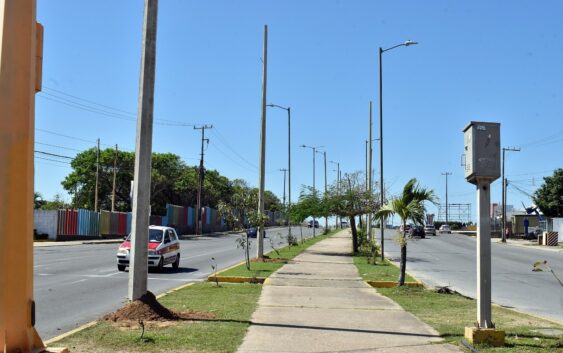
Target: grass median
[[228, 308], [279, 257], [449, 314]]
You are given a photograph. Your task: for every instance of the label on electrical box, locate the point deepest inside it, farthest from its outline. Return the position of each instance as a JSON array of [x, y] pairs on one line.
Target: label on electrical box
[[481, 127]]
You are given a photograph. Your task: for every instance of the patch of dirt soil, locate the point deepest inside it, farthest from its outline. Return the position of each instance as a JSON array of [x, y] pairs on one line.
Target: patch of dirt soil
[[147, 308]]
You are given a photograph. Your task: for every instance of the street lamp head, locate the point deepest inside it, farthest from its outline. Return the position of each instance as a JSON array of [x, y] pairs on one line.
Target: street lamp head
[[409, 42], [303, 146]]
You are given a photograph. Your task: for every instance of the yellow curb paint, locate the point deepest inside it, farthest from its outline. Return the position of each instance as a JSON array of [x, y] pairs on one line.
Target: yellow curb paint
[[391, 284], [71, 332]]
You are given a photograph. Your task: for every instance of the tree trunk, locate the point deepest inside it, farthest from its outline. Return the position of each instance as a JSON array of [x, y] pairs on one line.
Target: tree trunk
[[354, 234], [403, 264]]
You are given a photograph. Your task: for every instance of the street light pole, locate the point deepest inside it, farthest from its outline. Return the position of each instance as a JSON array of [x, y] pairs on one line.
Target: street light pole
[[446, 174], [337, 187], [503, 179], [326, 218], [284, 176], [381, 190], [314, 149], [288, 109]]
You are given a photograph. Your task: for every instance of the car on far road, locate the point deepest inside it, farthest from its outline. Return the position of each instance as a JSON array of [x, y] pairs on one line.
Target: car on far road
[[417, 231], [407, 229], [444, 228], [163, 248], [252, 232], [310, 224], [344, 224], [430, 229]]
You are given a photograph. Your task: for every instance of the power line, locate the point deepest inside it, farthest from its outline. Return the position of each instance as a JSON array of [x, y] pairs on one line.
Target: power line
[[53, 154], [52, 160], [67, 136], [116, 113], [226, 144], [57, 146]]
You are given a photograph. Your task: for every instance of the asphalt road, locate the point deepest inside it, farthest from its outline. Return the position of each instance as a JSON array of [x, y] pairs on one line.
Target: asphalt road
[[78, 284], [450, 260]]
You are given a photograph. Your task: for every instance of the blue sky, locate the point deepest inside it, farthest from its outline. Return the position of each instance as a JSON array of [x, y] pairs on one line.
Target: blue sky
[[481, 60]]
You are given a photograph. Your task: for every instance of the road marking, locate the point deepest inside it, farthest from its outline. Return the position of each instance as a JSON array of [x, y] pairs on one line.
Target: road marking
[[80, 280], [101, 276], [44, 274]]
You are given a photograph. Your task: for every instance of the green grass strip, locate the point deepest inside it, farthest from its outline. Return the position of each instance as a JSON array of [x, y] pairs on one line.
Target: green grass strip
[[265, 269], [385, 271], [449, 314], [233, 305]]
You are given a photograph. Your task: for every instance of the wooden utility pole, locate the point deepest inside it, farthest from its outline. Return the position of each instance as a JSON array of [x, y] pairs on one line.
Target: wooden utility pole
[[21, 46], [138, 268], [262, 175], [200, 177], [114, 178]]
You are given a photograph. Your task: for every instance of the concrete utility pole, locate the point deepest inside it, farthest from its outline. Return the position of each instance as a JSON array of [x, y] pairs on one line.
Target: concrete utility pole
[[262, 176], [114, 178], [200, 177], [97, 175], [370, 172], [21, 50], [138, 267], [504, 184], [446, 174]]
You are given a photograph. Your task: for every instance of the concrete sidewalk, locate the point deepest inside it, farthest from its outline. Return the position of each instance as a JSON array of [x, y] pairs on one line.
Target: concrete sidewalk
[[318, 303]]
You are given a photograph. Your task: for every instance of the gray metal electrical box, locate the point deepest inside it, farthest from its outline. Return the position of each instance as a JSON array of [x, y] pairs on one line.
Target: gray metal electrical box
[[482, 151]]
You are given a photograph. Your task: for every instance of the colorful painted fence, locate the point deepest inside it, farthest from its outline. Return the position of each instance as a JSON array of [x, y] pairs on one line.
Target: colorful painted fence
[[78, 222], [115, 223]]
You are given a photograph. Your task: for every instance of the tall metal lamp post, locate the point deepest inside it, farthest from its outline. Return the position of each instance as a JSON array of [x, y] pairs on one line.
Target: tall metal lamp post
[[381, 190], [314, 148], [337, 188], [288, 109]]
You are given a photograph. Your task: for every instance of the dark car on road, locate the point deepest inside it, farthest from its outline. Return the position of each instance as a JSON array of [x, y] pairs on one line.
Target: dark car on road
[[417, 231], [252, 232], [310, 224]]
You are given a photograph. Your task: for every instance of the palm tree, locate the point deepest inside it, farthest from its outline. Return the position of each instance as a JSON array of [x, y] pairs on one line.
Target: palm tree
[[409, 206]]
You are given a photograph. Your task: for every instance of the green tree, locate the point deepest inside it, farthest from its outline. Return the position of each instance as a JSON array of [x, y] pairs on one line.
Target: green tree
[[409, 206], [38, 200], [351, 201], [58, 203], [549, 197]]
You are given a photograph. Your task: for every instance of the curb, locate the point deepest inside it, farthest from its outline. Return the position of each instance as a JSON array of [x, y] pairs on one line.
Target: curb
[[69, 333]]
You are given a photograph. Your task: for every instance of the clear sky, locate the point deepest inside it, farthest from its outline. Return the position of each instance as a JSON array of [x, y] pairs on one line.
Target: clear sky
[[481, 60]]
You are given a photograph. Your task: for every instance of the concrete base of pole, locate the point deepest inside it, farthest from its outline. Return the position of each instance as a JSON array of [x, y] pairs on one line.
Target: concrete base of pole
[[490, 336]]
